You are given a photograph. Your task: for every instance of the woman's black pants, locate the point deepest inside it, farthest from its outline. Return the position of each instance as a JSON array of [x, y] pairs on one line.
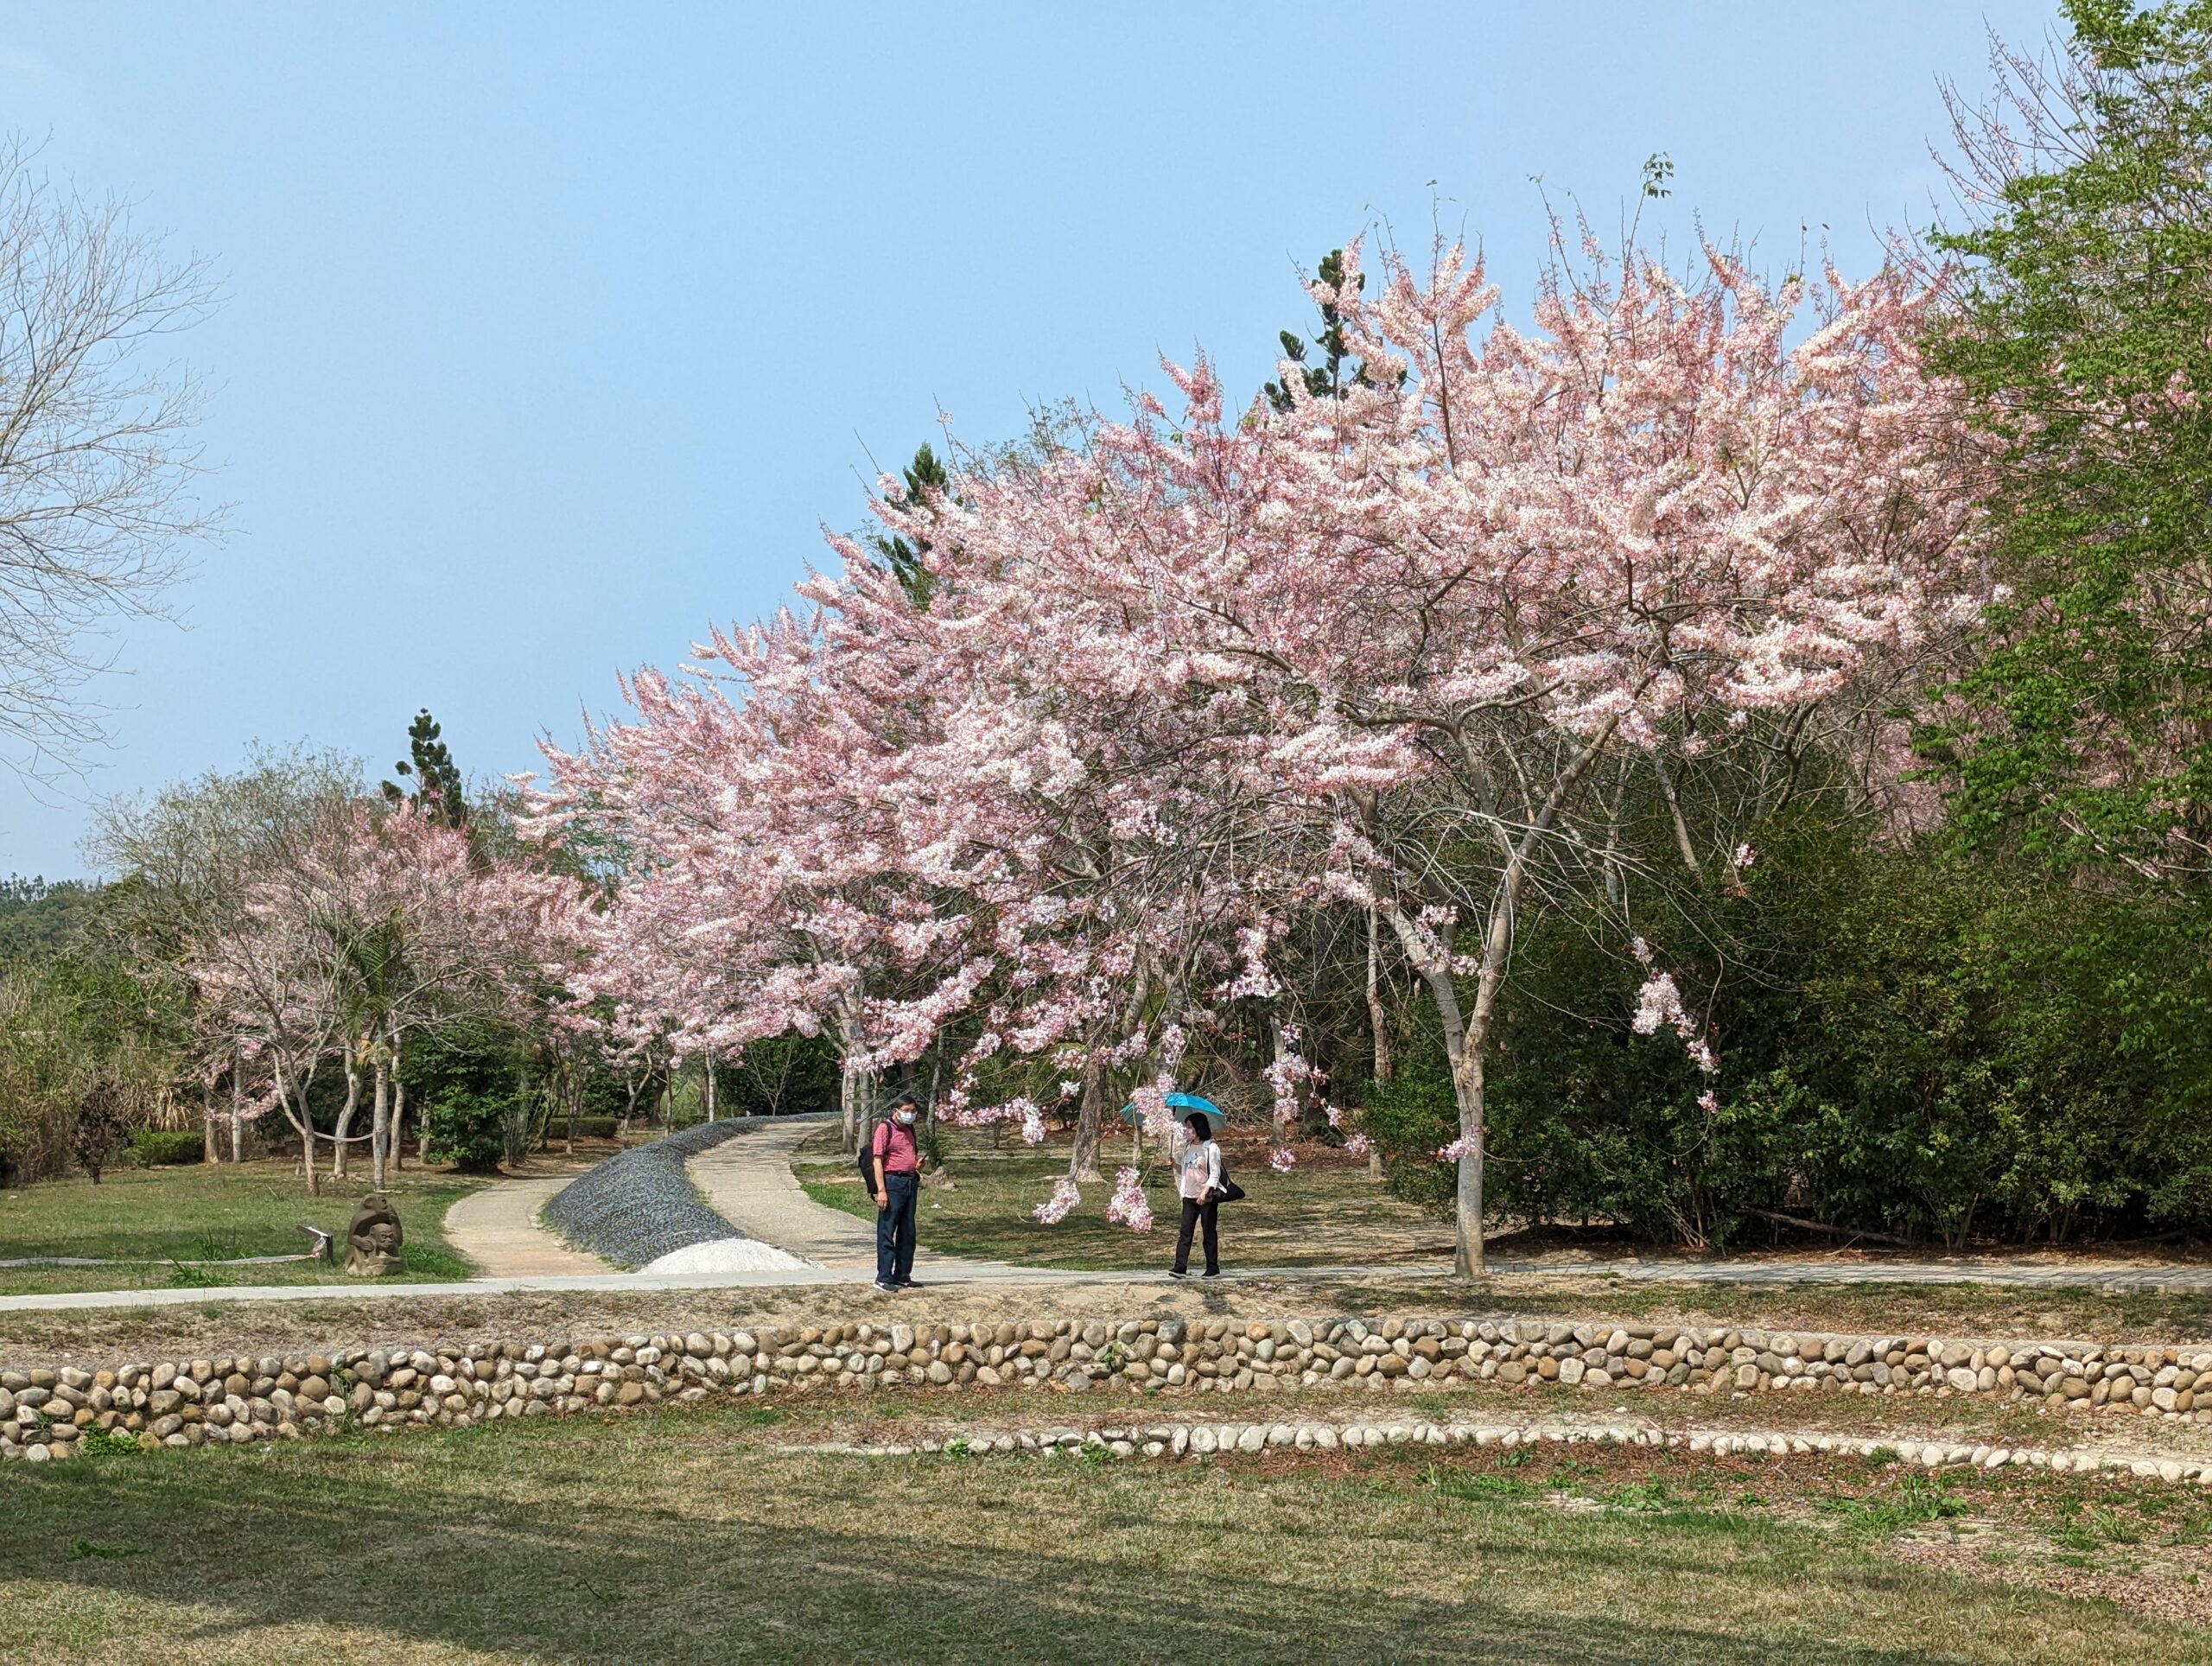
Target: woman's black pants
[[1193, 1212]]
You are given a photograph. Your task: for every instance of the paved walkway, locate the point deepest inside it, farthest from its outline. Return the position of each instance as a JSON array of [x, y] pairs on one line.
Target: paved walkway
[[749, 1183], [498, 1229]]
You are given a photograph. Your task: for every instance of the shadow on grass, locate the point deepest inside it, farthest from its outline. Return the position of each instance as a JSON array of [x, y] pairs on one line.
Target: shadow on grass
[[676, 1538]]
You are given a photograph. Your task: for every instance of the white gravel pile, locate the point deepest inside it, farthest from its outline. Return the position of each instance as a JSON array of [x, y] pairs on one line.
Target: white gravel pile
[[725, 1255]]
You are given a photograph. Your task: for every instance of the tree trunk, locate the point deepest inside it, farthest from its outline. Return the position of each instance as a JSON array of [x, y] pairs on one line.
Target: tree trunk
[[345, 1116], [1378, 1018], [1090, 1125], [378, 1126], [1378, 1025], [398, 1105], [856, 1090], [237, 1107], [1466, 1038], [857, 1095], [303, 1124], [1683, 848], [711, 1084]]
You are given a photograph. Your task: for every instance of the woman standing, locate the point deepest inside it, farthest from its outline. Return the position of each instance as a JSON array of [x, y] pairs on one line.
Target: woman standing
[[1197, 1162]]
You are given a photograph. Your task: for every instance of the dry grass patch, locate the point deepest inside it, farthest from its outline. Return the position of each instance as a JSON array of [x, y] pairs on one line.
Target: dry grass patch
[[688, 1537]]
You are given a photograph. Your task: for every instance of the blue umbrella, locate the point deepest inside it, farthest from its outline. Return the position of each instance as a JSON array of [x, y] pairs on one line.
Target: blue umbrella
[[1185, 1103]]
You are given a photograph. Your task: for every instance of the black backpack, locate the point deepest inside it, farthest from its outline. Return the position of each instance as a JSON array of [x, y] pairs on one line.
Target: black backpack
[[869, 1180]]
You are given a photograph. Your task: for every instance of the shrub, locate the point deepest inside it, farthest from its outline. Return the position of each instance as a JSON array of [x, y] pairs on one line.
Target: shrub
[[155, 1148], [1912, 1043], [98, 1128], [468, 1127]]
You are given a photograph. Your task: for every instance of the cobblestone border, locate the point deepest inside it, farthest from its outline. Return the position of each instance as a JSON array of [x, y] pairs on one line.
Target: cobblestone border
[[1176, 1442], [45, 1413]]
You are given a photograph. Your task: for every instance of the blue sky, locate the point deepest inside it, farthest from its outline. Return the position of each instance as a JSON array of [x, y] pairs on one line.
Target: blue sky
[[555, 333]]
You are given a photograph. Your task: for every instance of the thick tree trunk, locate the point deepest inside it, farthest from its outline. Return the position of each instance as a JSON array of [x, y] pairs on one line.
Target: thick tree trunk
[[1464, 1055], [1466, 1037], [1090, 1125], [1683, 848]]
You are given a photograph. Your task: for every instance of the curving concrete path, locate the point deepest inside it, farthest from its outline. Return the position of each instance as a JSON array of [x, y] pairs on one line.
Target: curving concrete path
[[749, 1183], [497, 1229]]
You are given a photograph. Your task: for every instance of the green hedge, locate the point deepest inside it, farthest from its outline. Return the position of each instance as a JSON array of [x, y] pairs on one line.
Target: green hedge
[[157, 1147]]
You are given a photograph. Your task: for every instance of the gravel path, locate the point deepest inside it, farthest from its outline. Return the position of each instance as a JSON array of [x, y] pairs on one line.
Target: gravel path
[[639, 1206], [497, 1230]]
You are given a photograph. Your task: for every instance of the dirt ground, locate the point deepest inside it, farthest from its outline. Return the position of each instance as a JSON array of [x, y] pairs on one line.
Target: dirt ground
[[93, 1337]]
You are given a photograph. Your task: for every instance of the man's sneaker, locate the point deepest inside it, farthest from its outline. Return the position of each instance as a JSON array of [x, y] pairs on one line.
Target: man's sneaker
[[909, 1284], [886, 1286], [1211, 1272], [1176, 1272]]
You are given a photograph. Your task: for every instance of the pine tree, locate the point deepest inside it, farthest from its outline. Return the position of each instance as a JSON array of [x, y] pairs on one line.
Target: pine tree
[[927, 478], [438, 788], [1328, 379]]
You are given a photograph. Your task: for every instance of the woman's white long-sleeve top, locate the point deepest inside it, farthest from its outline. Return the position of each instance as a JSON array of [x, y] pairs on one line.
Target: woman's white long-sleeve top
[[1199, 1165]]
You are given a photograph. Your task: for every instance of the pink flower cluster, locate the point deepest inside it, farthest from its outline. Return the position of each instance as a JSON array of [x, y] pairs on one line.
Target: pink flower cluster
[[1128, 1205], [1054, 1209]]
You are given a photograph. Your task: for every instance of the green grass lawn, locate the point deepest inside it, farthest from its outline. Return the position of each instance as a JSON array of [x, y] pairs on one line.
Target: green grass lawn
[[199, 1211], [1325, 1212], [685, 1536]]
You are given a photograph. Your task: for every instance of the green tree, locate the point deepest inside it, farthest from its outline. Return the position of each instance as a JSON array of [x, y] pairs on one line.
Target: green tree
[[438, 786], [1337, 369], [2083, 338], [926, 480]]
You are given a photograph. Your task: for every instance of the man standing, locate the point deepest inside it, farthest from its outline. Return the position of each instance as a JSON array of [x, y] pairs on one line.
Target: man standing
[[897, 1187]]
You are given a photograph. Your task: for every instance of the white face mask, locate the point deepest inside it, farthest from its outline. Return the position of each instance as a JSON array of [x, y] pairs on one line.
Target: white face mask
[[905, 1118]]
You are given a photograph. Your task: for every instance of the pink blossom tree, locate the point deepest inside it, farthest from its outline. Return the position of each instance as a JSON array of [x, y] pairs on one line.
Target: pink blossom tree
[[1411, 627], [376, 923]]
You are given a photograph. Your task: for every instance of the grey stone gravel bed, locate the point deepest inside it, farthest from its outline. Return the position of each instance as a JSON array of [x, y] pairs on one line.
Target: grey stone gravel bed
[[639, 1204]]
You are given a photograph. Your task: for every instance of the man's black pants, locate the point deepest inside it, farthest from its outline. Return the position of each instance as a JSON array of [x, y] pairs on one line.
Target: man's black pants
[[1193, 1213], [894, 1229]]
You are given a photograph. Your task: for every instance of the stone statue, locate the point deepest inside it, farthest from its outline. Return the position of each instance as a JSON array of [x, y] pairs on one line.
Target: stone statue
[[373, 1241]]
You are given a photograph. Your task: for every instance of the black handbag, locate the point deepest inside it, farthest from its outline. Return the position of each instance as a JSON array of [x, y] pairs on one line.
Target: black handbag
[[1228, 1191]]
